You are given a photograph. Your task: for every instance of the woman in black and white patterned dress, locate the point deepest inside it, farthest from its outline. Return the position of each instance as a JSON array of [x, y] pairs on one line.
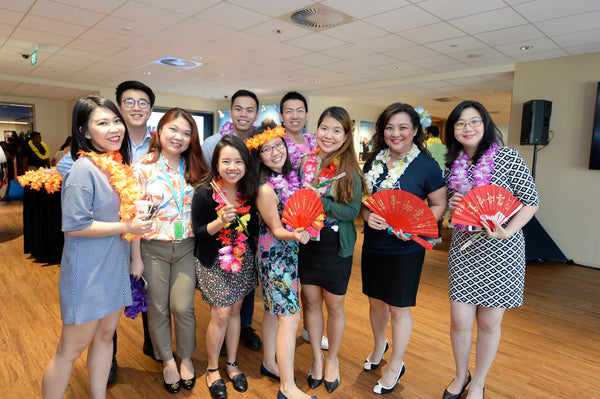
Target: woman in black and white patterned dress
[[488, 276]]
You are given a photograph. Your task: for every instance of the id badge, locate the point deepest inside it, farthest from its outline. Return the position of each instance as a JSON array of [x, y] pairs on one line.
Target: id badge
[[178, 225]]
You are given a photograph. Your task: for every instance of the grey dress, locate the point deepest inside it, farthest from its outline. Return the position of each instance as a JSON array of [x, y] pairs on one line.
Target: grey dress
[[94, 273]]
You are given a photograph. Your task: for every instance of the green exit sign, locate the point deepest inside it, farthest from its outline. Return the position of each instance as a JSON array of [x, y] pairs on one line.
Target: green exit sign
[[33, 58]]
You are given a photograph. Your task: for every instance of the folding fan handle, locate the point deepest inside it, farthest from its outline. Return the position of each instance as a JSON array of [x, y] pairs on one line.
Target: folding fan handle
[[424, 243]]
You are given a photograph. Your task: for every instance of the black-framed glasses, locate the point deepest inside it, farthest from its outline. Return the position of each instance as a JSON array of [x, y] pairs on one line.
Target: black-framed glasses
[[463, 125], [269, 150], [130, 103]]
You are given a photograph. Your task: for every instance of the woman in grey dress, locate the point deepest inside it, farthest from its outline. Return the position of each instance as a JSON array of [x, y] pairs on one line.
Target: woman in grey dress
[[94, 277], [488, 276]]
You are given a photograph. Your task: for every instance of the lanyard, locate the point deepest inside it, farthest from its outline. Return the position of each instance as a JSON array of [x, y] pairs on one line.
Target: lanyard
[[164, 168]]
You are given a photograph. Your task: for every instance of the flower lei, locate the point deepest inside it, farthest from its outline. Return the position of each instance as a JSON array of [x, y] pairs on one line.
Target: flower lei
[[139, 301], [226, 129], [37, 179], [286, 184], [122, 179], [231, 255], [310, 169], [36, 151], [254, 143], [294, 153], [482, 173], [394, 174]]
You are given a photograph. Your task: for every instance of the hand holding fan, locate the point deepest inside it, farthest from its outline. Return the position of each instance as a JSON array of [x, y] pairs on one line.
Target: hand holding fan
[[484, 204], [405, 211], [304, 209]]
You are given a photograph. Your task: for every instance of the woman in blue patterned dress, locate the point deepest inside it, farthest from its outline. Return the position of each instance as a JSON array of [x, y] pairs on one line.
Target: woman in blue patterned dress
[[94, 275], [488, 276], [277, 258]]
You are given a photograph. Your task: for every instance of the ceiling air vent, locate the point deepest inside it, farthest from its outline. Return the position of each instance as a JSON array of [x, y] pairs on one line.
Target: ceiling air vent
[[318, 17], [178, 63]]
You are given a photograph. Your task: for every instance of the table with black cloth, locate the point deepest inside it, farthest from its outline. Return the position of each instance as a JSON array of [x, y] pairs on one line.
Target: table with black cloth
[[42, 235]]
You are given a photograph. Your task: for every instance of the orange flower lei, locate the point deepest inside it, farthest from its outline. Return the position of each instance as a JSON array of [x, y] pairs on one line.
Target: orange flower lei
[[37, 179], [269, 134], [121, 178]]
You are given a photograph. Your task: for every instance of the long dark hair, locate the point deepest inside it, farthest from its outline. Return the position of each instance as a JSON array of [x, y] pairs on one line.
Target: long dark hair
[[262, 171], [81, 117], [195, 165], [491, 133], [346, 153], [247, 184], [384, 118]]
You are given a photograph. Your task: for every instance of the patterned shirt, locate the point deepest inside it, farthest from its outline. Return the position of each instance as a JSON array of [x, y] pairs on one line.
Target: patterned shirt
[[156, 187]]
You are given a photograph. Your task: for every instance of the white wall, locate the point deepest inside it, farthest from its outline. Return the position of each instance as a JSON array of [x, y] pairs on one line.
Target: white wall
[[569, 191]]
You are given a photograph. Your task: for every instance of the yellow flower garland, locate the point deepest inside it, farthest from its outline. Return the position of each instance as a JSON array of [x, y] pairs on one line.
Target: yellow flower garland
[[37, 152]]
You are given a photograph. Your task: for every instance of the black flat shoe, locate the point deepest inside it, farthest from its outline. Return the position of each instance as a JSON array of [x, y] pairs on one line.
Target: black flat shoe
[[188, 384], [450, 395], [172, 388], [218, 389], [265, 371], [240, 383]]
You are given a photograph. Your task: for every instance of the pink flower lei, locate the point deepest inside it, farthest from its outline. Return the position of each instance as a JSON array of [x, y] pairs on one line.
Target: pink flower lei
[[287, 184], [482, 173], [294, 153], [227, 128], [310, 169]]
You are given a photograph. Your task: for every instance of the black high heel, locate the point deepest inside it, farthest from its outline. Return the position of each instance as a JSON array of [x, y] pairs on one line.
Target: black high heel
[[380, 389], [369, 365], [450, 395], [332, 385]]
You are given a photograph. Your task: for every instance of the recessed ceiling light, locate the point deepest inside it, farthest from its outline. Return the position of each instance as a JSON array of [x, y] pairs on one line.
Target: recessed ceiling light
[[147, 73], [397, 67], [474, 55], [128, 28], [197, 57], [178, 63], [278, 31], [526, 47], [453, 45]]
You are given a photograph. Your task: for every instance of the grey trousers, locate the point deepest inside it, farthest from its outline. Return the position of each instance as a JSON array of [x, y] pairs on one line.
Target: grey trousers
[[171, 275]]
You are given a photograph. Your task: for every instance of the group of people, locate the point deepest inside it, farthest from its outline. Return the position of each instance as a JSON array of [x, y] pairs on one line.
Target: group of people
[[218, 230]]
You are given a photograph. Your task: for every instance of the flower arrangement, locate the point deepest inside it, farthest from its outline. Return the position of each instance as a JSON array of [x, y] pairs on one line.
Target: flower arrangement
[[38, 179], [254, 143]]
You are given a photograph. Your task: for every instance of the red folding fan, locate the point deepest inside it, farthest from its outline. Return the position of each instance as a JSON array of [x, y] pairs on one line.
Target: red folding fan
[[405, 211], [484, 204], [304, 209]]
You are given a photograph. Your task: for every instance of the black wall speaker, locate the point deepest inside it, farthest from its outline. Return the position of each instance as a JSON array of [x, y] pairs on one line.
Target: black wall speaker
[[536, 122]]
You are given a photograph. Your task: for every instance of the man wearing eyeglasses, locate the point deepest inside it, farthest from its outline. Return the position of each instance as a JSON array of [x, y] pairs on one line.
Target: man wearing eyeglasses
[[135, 101]]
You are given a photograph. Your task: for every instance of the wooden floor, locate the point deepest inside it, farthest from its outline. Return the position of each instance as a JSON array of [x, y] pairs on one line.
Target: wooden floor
[[550, 347]]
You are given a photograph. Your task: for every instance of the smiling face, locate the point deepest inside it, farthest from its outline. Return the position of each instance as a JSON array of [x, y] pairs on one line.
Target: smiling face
[[243, 112], [469, 136], [231, 166], [330, 135], [175, 137], [398, 134], [105, 130], [273, 154], [136, 116], [294, 116]]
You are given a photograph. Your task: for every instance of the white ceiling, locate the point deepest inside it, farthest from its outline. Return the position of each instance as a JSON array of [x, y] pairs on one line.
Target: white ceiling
[[415, 51]]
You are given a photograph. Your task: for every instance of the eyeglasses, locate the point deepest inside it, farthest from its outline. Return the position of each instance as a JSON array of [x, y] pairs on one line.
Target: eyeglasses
[[130, 103], [463, 125], [269, 150]]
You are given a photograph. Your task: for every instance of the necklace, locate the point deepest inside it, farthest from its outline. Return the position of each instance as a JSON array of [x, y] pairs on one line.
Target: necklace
[[295, 153], [231, 254], [394, 174], [121, 178], [286, 184], [36, 151], [310, 169], [482, 173]]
